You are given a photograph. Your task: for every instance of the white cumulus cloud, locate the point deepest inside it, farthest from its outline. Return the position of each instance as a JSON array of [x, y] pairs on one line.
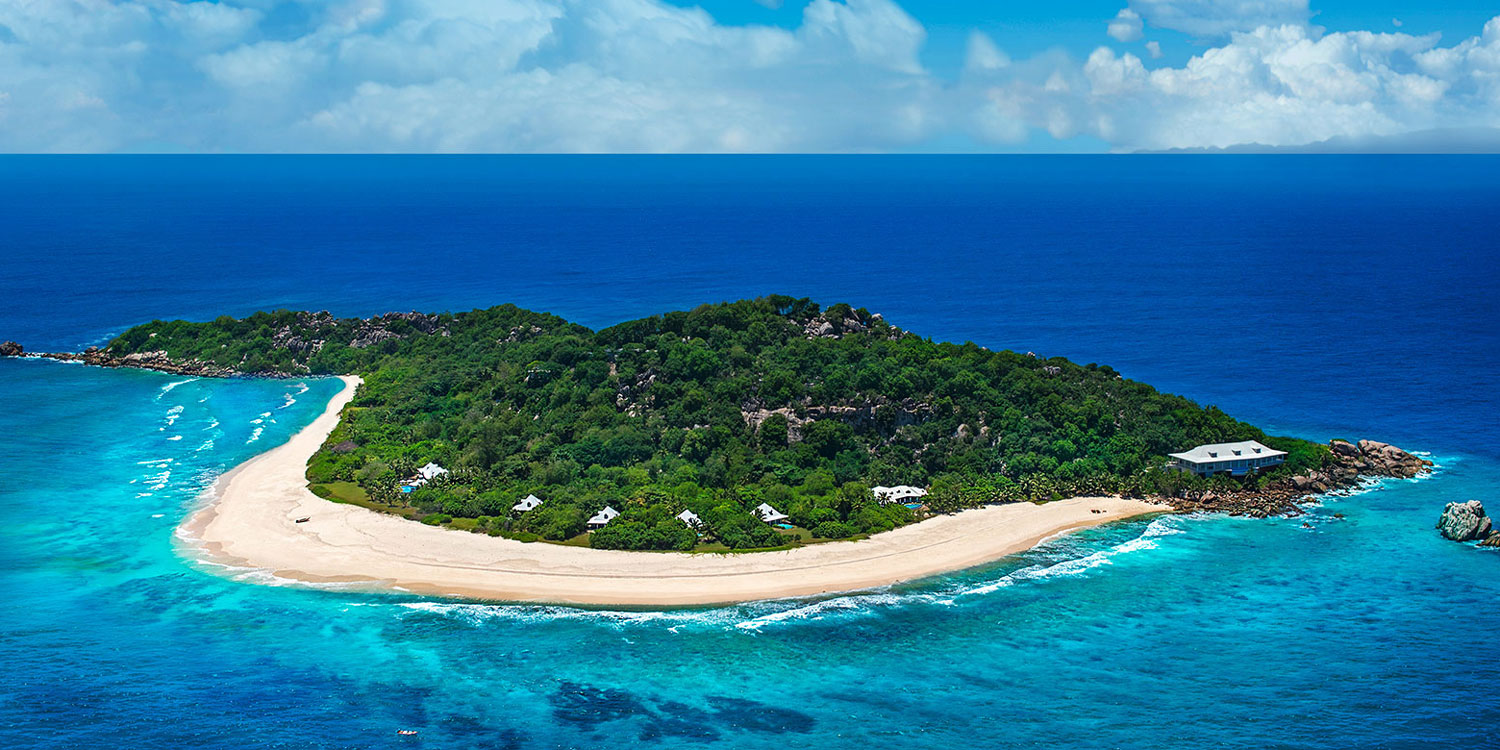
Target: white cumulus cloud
[[1289, 85], [1125, 26], [646, 76], [1216, 18]]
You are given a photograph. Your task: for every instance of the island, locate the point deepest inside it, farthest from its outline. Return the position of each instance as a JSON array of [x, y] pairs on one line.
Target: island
[[510, 454]]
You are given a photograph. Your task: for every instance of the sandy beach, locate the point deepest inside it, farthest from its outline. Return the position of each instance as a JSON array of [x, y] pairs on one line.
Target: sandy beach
[[249, 521]]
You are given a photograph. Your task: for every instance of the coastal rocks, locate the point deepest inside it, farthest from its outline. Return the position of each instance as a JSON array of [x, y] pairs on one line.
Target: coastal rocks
[[152, 360], [1349, 463], [1384, 459], [11, 349], [1465, 522]]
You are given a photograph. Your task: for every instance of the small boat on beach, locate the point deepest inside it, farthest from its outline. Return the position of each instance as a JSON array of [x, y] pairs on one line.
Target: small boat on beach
[[303, 519]]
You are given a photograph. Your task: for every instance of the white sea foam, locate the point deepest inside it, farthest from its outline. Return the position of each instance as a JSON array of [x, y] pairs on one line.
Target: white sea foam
[[1158, 528], [254, 436], [174, 438], [172, 416], [212, 424], [861, 604], [301, 389], [755, 617], [169, 386], [208, 445], [159, 481], [288, 400]]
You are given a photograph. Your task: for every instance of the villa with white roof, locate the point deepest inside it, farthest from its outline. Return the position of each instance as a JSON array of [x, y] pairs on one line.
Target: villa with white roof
[[901, 493], [602, 518], [768, 514], [424, 475], [1234, 459], [527, 503]]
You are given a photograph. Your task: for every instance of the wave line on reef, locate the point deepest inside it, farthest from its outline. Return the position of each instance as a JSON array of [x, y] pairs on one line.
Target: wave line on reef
[[169, 386], [754, 617]]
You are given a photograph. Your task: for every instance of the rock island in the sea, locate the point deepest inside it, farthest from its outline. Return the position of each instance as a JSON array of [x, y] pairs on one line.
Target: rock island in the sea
[[765, 423]]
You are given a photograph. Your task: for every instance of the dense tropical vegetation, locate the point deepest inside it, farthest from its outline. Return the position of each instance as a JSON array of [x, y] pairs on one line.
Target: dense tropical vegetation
[[713, 410]]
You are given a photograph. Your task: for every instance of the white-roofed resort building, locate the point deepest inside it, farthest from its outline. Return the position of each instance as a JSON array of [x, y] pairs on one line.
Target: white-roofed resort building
[[602, 517], [1234, 459], [901, 493], [768, 514]]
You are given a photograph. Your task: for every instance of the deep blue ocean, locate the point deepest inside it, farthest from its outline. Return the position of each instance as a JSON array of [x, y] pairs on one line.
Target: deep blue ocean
[[1316, 296]]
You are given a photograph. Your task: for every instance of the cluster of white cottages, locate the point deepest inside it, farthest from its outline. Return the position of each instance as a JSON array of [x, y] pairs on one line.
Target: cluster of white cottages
[[1235, 459], [899, 494]]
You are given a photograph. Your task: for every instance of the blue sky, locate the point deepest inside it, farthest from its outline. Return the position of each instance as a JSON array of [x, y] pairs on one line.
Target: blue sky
[[736, 75]]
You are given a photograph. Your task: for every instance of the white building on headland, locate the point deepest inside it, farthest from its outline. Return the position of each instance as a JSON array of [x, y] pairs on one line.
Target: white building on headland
[[1234, 459], [603, 517], [768, 514], [690, 518], [527, 503], [901, 493]]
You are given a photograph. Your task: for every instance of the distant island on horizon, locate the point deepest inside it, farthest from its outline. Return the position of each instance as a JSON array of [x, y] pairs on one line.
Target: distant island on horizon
[[758, 424]]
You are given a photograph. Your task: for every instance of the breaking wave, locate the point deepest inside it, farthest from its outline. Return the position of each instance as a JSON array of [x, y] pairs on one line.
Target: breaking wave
[[169, 386], [756, 617]]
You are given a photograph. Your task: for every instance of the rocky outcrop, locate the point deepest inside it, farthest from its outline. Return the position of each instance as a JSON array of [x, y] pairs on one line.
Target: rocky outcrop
[[836, 323], [395, 326], [883, 416], [1349, 464], [152, 360], [1383, 459], [1465, 522], [11, 349]]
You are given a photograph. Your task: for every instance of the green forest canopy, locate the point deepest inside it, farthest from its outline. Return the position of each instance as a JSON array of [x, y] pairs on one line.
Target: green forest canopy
[[715, 410]]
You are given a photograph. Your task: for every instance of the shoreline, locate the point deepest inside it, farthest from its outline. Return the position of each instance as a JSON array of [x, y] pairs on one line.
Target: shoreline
[[249, 522]]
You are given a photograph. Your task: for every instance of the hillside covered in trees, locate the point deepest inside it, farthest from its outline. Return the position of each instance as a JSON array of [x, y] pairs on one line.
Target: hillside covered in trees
[[713, 410]]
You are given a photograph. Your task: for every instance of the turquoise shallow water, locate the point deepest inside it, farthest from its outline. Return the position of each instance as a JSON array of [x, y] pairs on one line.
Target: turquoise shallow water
[[1360, 302], [1167, 632]]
